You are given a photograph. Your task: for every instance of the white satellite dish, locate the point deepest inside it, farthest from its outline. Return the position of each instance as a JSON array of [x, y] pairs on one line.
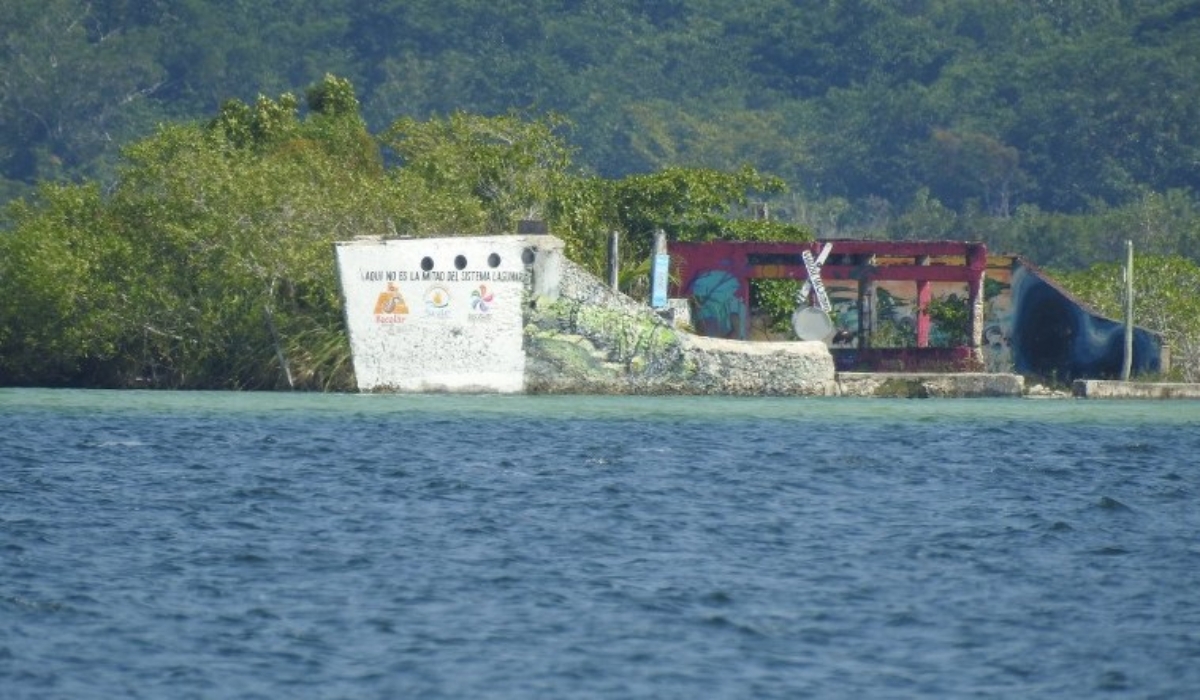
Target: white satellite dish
[[811, 323]]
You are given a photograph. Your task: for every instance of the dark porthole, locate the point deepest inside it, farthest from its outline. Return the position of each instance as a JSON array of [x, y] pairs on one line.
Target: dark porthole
[[493, 260], [427, 263], [528, 256], [460, 261]]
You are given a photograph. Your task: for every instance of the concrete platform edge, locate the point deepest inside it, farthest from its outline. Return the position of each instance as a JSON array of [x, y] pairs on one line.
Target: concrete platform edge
[[1114, 389], [930, 385]]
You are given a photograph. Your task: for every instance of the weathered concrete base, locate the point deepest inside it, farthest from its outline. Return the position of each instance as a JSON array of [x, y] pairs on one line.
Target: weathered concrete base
[[744, 368], [591, 341], [914, 385], [1110, 389]]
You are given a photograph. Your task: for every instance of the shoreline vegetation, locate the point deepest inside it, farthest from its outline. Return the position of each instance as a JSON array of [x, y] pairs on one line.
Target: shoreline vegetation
[[210, 266], [150, 240]]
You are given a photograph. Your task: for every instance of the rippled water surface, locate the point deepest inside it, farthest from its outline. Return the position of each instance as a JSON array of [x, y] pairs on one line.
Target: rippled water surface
[[208, 545]]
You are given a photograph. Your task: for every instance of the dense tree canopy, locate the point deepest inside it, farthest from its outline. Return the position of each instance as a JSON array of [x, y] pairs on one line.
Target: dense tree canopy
[[152, 183], [209, 261], [868, 108]]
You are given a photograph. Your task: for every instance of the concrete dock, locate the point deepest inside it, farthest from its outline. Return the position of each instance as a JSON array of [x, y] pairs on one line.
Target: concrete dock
[[930, 385], [1111, 389]]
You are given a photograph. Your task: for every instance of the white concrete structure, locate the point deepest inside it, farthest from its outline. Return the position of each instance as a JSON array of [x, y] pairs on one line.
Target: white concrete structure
[[443, 314]]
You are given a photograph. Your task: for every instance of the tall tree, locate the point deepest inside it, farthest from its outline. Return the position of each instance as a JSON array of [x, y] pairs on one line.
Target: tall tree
[[70, 87]]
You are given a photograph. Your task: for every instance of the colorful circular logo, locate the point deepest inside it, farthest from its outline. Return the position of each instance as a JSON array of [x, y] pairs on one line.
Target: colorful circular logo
[[481, 299]]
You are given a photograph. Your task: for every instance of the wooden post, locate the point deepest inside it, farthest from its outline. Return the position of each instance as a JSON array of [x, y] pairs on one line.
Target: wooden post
[[1127, 366], [614, 264]]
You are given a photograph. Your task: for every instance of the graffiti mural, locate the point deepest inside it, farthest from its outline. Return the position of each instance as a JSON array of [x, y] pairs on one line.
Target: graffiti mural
[[719, 311], [920, 304], [997, 319]]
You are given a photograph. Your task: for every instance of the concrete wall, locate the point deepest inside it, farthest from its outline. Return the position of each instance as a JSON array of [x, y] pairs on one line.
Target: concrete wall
[[442, 314], [512, 314], [593, 340], [941, 386]]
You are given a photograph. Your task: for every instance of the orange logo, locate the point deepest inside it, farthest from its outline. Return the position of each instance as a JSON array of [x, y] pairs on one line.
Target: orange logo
[[390, 302]]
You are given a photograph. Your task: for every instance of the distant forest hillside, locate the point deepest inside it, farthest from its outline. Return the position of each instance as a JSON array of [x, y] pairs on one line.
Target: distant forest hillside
[[1052, 127]]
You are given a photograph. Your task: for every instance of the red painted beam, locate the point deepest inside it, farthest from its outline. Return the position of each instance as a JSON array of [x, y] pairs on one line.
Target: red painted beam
[[881, 273], [840, 247]]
